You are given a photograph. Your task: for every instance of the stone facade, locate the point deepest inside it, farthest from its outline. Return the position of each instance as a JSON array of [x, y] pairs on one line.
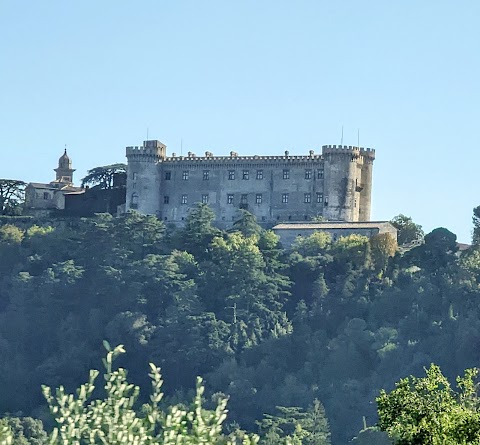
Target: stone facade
[[41, 198], [289, 232], [335, 184]]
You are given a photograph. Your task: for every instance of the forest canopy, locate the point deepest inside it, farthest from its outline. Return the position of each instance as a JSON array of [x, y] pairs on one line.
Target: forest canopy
[[300, 340]]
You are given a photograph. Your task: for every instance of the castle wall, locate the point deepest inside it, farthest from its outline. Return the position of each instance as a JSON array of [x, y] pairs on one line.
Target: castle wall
[[273, 188]]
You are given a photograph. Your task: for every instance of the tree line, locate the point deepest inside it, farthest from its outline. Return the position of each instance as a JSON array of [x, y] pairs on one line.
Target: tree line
[[300, 340]]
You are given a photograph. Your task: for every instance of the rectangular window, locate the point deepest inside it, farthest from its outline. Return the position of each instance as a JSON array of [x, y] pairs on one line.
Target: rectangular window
[[185, 175], [325, 203], [319, 198], [134, 176], [168, 176], [230, 199], [184, 199], [320, 174], [258, 198], [46, 195], [245, 174], [204, 199], [231, 174], [286, 173], [285, 198], [308, 174], [307, 198], [259, 174], [244, 199], [166, 199], [206, 175]]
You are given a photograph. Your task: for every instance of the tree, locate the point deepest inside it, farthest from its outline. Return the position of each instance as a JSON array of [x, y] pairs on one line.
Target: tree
[[105, 177], [296, 425], [383, 246], [246, 223], [199, 231], [115, 421], [12, 196], [26, 431], [428, 411], [408, 231], [476, 226]]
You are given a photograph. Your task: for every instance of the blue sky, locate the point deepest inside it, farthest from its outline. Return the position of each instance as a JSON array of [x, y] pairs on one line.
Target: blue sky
[[254, 76]]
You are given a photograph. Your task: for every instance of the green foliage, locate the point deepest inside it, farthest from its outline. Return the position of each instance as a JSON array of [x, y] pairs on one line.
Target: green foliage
[[476, 226], [12, 196], [408, 231], [293, 425], [267, 327], [25, 431], [11, 234], [312, 245], [104, 176], [115, 421], [383, 247], [428, 411]]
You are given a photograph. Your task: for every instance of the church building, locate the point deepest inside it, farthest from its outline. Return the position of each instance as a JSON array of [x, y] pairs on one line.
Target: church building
[[41, 198]]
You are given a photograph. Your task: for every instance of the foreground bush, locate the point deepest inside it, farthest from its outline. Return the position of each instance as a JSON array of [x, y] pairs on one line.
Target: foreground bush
[[115, 421]]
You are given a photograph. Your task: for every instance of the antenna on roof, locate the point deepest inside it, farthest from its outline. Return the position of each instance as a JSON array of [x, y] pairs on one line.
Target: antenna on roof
[[65, 148]]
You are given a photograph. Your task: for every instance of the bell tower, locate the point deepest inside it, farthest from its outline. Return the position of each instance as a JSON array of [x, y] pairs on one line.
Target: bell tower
[[64, 171]]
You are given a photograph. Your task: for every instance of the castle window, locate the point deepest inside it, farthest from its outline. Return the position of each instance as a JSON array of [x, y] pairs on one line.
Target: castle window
[[245, 174], [231, 174], [319, 198], [244, 199], [263, 218], [230, 199], [184, 199], [320, 174], [134, 203], [185, 175], [286, 173], [204, 199], [307, 198], [326, 201], [355, 203], [308, 174], [258, 198], [168, 176], [134, 176], [285, 198], [259, 174], [46, 195], [206, 175], [166, 199]]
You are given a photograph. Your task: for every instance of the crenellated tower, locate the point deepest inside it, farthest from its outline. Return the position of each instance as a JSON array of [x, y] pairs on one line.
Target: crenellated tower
[[143, 177], [347, 182]]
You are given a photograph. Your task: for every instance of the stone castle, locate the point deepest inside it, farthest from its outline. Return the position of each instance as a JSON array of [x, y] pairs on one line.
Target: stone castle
[[335, 184]]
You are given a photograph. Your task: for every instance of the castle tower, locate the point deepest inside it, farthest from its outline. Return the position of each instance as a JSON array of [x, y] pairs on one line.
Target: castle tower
[[64, 171], [144, 177], [368, 156], [347, 182]]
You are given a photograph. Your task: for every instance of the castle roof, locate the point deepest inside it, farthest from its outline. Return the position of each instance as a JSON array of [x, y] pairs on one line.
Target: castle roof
[[383, 226]]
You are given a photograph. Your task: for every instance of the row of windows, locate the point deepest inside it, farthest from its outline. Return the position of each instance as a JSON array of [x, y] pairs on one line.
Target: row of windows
[[307, 198], [245, 174]]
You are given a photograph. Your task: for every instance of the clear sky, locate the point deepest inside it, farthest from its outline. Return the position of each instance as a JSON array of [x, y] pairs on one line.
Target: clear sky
[[256, 77]]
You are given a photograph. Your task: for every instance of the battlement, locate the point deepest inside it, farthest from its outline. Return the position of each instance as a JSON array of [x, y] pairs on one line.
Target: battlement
[[236, 158], [149, 149], [348, 149]]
